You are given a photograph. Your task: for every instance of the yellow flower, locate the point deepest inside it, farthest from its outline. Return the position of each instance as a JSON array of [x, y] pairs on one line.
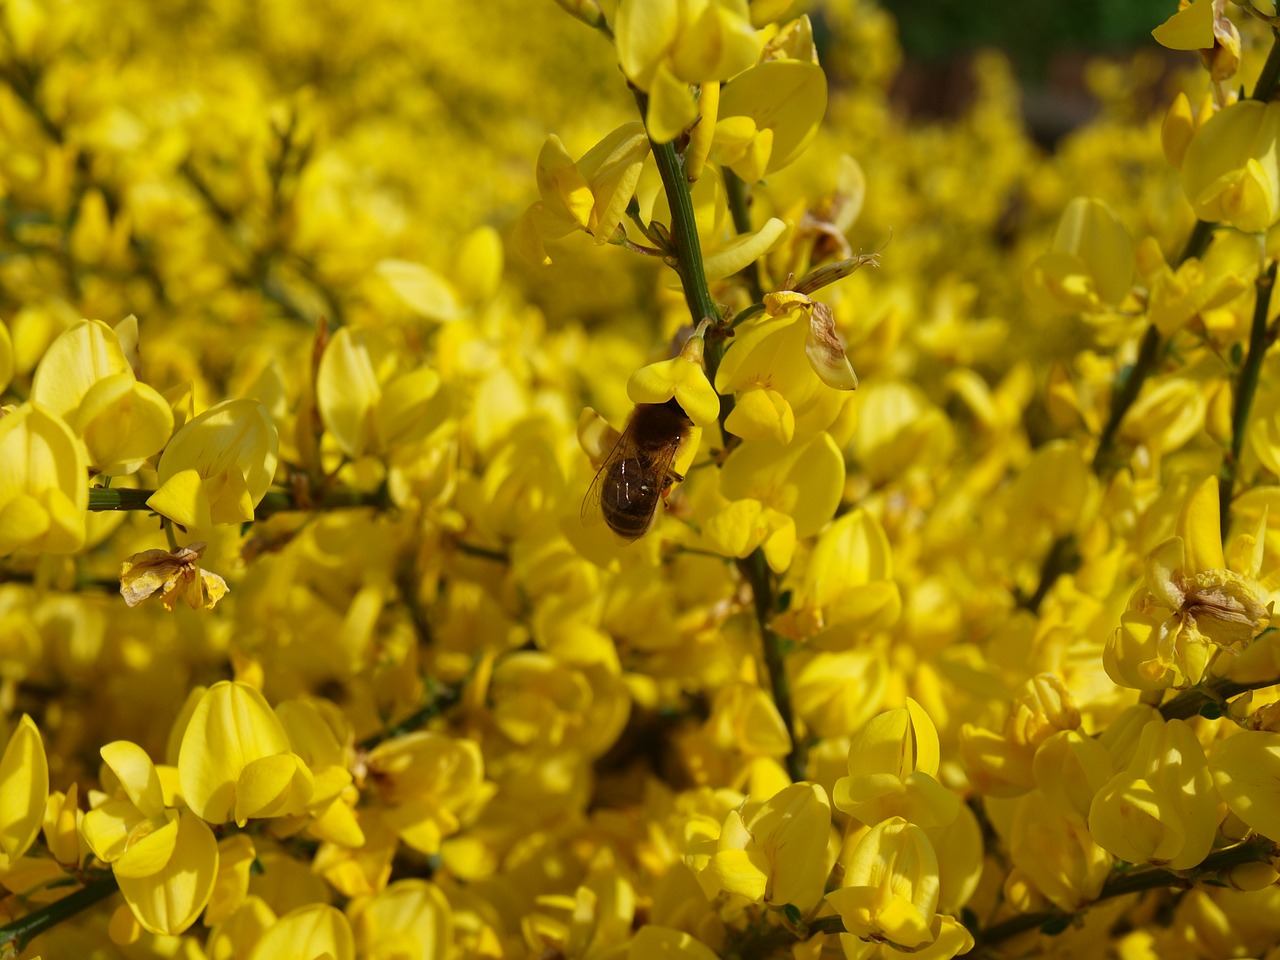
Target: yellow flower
[[681, 378], [768, 115], [1162, 808], [786, 370], [217, 468], [775, 853], [410, 917], [1197, 287], [178, 574], [1054, 850], [1190, 609], [893, 761], [777, 493], [85, 378], [44, 490], [891, 886], [427, 780], [1231, 171], [165, 859], [235, 761], [1246, 770], [590, 195], [1089, 267], [664, 46], [1001, 764], [847, 583], [365, 405]]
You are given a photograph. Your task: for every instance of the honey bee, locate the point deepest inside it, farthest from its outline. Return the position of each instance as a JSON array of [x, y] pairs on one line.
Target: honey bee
[[637, 473]]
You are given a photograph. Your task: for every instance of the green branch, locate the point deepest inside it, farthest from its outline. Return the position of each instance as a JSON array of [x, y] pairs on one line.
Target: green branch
[[1269, 79], [1258, 850], [17, 935], [756, 572], [738, 194], [275, 501], [442, 698], [1190, 703], [1255, 850], [1246, 387], [684, 229]]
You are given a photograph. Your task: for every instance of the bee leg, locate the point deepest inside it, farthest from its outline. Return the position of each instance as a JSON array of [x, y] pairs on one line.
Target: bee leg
[[670, 480]]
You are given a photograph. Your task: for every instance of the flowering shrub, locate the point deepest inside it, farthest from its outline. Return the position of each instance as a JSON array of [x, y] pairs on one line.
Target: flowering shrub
[[941, 621]]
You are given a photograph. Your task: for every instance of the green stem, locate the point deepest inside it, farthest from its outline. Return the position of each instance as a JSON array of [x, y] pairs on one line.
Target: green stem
[[21, 932], [1189, 703], [737, 192], [1269, 79], [1246, 387], [1256, 850], [1197, 241], [443, 697], [275, 501], [684, 231], [1252, 851], [1128, 386], [484, 553], [756, 572], [1062, 556]]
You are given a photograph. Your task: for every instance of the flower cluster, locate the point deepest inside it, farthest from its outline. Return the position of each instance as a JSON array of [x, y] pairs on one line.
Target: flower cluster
[[311, 640]]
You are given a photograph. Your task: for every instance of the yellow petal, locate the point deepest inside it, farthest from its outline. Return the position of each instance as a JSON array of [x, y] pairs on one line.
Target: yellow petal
[[562, 187], [150, 848], [761, 414], [137, 774], [272, 786], [83, 355], [123, 423], [236, 856], [744, 249], [6, 357], [316, 930], [348, 392], [1245, 769], [409, 913], [218, 466], [168, 902], [421, 289], [1191, 28], [672, 106], [1199, 526], [1177, 130], [24, 789], [44, 492], [786, 97], [644, 31]]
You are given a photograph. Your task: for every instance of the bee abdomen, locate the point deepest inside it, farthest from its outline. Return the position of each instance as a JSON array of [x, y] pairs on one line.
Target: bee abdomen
[[627, 499]]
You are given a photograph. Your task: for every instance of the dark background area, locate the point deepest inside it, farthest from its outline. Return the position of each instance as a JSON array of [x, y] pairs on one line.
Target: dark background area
[[1048, 42], [1031, 32]]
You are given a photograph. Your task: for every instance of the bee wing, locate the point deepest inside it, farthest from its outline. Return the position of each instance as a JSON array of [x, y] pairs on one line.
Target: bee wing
[[657, 470], [591, 502]]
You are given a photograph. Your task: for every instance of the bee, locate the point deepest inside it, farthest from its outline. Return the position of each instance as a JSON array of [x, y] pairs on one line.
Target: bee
[[637, 474]]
